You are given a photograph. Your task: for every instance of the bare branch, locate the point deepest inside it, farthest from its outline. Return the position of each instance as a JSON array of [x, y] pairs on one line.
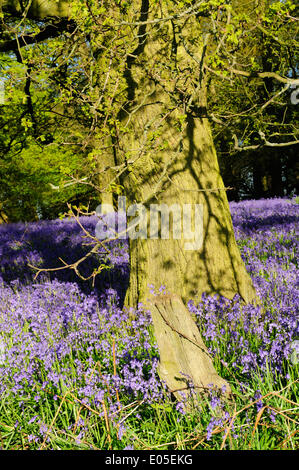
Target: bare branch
[[277, 144], [265, 143], [243, 73]]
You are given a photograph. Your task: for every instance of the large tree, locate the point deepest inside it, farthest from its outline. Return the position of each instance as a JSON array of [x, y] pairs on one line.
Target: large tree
[[139, 73]]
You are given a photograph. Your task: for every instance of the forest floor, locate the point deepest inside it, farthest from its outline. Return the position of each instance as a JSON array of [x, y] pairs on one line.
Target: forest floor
[[78, 371]]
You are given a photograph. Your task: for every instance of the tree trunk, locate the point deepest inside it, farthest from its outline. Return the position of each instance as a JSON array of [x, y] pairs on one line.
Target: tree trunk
[[184, 359], [215, 268], [3, 217], [176, 163], [193, 178]]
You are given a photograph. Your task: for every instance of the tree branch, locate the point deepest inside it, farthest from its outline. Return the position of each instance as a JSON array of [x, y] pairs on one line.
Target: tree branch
[[243, 73], [50, 31], [276, 144], [279, 78], [265, 143]]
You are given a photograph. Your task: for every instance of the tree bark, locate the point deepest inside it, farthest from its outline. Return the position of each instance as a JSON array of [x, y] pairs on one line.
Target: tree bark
[[193, 178]]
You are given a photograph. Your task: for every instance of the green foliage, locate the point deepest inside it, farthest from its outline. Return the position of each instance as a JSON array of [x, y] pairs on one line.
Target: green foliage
[[208, 57], [35, 171], [33, 157]]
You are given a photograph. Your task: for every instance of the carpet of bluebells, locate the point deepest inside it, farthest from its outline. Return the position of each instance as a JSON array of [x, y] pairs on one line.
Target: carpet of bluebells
[[77, 370]]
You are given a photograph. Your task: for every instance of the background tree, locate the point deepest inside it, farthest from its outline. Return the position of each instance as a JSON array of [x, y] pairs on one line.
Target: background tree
[[36, 145], [255, 122], [136, 77]]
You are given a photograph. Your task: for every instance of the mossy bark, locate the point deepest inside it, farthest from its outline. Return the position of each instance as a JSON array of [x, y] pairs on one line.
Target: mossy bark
[[193, 178], [104, 175]]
